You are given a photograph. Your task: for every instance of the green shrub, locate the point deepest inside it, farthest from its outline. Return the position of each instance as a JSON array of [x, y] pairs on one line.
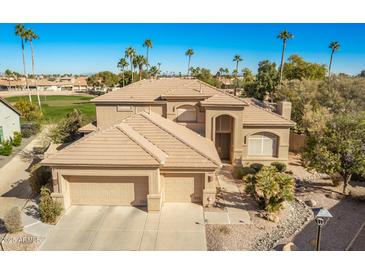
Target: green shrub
[[17, 140], [270, 188], [13, 220], [256, 166], [49, 210], [244, 171], [281, 167], [39, 177], [6, 148]]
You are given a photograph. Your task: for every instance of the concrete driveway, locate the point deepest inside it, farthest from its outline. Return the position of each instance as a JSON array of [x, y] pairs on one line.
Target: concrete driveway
[[178, 226]]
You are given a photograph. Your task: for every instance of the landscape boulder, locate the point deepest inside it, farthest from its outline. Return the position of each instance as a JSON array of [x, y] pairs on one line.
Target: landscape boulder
[[311, 203]]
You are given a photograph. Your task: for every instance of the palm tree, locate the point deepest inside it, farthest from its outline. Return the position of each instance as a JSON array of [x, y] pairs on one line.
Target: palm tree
[[334, 46], [30, 35], [130, 53], [189, 52], [159, 67], [154, 71], [148, 44], [221, 71], [140, 61], [226, 71], [21, 32], [122, 64], [237, 58], [284, 35]]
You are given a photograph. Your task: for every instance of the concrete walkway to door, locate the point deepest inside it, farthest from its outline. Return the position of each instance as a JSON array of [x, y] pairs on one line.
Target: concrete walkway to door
[[178, 226]]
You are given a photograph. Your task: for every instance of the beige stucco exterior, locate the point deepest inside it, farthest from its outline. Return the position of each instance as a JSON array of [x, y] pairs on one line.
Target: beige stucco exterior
[[141, 154]]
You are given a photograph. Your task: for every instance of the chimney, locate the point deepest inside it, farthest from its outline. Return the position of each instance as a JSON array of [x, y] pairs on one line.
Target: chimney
[[283, 108]]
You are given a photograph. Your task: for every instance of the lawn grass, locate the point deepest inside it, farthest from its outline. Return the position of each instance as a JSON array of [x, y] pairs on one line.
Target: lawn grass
[[55, 107]]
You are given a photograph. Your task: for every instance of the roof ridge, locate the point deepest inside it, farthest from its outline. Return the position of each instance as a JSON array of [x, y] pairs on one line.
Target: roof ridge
[[134, 135], [148, 116], [271, 112]]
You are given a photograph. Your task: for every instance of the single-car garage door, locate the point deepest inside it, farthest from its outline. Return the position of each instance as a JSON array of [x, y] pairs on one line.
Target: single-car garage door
[[87, 190], [181, 187]]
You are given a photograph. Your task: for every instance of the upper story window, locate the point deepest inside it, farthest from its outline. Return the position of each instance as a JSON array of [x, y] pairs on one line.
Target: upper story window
[[263, 144], [186, 114]]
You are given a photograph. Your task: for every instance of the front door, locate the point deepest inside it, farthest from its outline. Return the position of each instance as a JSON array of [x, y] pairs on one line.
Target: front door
[[223, 136], [223, 145]]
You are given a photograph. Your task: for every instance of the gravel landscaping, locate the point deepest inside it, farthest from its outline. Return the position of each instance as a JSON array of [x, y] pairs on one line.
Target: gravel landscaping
[[295, 222]]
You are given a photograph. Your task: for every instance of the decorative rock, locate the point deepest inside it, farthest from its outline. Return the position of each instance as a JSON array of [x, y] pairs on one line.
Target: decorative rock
[[290, 247], [272, 218], [301, 189], [311, 203]]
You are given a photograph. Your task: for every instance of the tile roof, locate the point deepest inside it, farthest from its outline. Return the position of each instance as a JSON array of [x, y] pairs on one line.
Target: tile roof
[[151, 90], [142, 139], [257, 115], [224, 99]]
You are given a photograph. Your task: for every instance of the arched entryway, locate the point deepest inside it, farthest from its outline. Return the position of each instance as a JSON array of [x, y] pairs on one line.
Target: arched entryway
[[224, 136]]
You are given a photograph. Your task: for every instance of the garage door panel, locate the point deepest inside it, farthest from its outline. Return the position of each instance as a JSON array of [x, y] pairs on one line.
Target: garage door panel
[[183, 188], [108, 191]]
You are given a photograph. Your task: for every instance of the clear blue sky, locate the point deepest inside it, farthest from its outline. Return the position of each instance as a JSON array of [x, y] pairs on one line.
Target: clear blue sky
[[88, 48]]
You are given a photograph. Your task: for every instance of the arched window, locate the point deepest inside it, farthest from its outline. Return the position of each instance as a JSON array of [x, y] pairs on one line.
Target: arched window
[[263, 144], [186, 114]]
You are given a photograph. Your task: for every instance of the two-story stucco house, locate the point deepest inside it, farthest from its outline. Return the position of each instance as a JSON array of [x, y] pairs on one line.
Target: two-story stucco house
[[9, 120], [162, 140]]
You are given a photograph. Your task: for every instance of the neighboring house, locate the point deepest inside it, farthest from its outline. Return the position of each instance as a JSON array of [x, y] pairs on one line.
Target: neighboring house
[[162, 140], [9, 120]]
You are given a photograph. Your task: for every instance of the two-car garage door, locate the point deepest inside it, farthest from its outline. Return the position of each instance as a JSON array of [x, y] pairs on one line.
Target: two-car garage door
[[129, 190], [94, 190]]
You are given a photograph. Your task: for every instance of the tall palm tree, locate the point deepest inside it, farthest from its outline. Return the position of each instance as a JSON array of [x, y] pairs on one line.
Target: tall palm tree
[[148, 44], [122, 64], [159, 67], [154, 71], [21, 32], [284, 36], [139, 62], [237, 58], [130, 53], [189, 52], [221, 71], [226, 71], [334, 46], [30, 35]]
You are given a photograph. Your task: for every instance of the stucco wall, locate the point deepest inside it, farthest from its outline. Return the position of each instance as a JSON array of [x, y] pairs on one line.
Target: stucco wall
[[171, 113], [283, 144], [109, 115], [9, 120]]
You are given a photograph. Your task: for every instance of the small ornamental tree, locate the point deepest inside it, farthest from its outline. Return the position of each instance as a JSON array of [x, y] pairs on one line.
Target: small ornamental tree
[[339, 148], [270, 188], [67, 130]]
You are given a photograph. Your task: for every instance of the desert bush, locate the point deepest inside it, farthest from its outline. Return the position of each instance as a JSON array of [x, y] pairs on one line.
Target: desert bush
[[30, 129], [17, 140], [13, 220], [67, 130], [6, 148], [270, 188], [243, 171], [281, 167], [49, 210], [256, 166], [39, 177], [29, 111]]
